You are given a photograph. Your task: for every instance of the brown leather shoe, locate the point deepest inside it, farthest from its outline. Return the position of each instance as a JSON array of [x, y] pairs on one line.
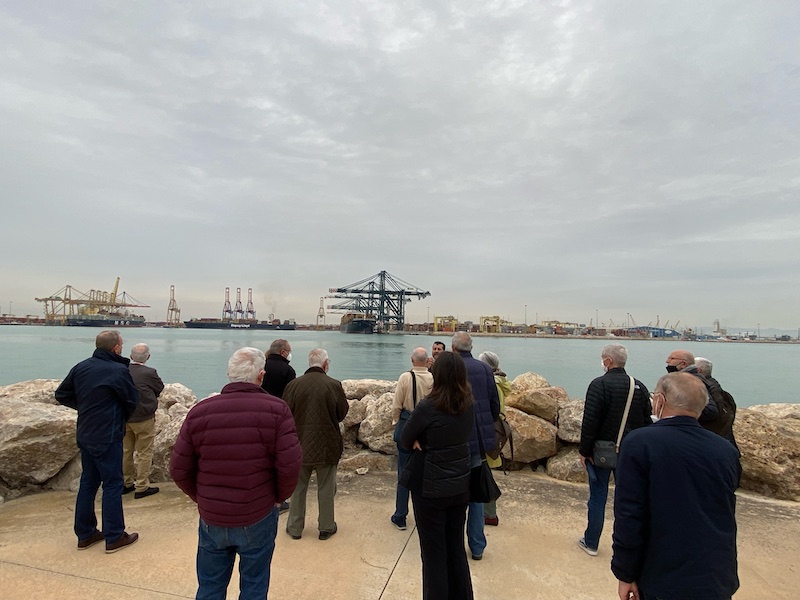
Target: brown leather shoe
[[126, 540], [96, 537], [493, 521]]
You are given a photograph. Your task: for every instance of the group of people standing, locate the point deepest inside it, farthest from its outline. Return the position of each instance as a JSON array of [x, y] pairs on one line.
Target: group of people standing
[[248, 454], [676, 474]]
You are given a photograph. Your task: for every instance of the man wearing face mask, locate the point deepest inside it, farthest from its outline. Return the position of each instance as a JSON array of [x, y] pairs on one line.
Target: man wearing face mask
[[603, 410], [277, 370], [674, 503], [715, 416]]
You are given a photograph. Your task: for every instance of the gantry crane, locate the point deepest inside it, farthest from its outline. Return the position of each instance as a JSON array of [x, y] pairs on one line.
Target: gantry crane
[[173, 312], [382, 296], [68, 301]]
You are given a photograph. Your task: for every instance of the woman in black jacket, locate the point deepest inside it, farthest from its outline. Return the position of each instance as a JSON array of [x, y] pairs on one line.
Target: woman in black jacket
[[438, 476]]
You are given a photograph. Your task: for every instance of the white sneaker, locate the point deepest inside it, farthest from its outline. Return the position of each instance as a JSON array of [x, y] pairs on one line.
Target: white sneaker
[[585, 548]]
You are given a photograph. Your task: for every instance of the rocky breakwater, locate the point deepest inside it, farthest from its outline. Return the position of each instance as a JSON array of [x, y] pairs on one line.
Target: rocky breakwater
[[37, 436]]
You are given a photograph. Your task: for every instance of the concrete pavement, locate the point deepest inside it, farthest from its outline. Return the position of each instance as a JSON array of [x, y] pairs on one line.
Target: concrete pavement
[[532, 554]]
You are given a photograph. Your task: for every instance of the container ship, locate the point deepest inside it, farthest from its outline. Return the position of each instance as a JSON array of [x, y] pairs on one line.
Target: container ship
[[275, 324], [357, 323], [95, 308]]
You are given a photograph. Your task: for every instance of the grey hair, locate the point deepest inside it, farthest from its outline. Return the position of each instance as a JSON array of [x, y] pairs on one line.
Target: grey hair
[[491, 359], [106, 340], [317, 357], [419, 356], [245, 365], [278, 346], [462, 342], [617, 353], [704, 366], [684, 391], [140, 353]]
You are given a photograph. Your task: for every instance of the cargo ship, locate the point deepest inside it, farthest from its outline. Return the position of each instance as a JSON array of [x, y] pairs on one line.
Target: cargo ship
[[71, 307], [275, 324], [357, 323], [106, 320]]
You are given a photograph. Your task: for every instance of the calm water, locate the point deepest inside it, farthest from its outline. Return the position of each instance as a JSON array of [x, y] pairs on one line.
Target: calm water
[[753, 373]]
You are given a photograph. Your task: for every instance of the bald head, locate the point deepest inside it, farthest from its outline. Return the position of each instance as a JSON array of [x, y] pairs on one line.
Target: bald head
[[419, 357], [679, 360]]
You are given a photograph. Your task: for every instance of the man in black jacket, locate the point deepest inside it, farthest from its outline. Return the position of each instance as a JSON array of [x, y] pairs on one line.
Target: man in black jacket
[[277, 370], [100, 388], [602, 415], [140, 432]]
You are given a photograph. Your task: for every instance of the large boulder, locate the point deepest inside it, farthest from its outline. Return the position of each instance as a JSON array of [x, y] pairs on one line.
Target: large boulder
[[358, 388], [376, 430], [570, 419], [356, 412], [534, 438], [540, 401], [770, 454], [36, 441], [36, 390], [778, 410], [174, 404], [566, 466]]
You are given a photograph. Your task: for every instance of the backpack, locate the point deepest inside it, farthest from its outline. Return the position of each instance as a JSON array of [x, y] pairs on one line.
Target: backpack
[[727, 410]]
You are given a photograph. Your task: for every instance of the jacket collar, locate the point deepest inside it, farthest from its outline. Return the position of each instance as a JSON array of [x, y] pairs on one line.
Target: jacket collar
[[110, 356], [277, 357], [242, 387], [315, 370]]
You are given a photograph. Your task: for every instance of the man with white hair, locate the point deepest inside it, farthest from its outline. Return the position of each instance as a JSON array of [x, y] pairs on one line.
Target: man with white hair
[[412, 386], [487, 410], [238, 456], [319, 404], [675, 502], [140, 430]]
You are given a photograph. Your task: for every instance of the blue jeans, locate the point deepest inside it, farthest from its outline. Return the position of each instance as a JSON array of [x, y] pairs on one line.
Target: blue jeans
[[598, 494], [475, 537], [105, 468], [217, 549], [401, 496]]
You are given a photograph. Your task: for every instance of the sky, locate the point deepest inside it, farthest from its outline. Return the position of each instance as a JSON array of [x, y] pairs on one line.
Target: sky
[[564, 160]]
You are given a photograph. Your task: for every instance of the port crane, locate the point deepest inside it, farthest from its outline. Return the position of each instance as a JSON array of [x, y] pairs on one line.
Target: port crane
[[382, 296], [71, 301], [173, 312]]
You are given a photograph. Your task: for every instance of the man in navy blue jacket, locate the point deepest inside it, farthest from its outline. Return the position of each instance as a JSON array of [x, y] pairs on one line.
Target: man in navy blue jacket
[[674, 504], [101, 389], [486, 409]]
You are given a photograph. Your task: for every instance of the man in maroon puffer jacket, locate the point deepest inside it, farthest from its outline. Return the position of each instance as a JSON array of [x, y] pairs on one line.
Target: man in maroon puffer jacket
[[238, 456]]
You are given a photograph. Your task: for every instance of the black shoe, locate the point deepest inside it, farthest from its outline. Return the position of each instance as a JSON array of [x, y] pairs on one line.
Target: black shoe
[[145, 493], [283, 507], [96, 537], [477, 556], [126, 540], [128, 489], [294, 537], [325, 535]]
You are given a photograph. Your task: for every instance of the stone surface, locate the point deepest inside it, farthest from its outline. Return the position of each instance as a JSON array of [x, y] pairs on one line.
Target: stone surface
[[358, 388], [376, 430], [369, 460], [36, 440], [36, 390], [566, 466], [570, 418], [357, 411], [770, 454], [529, 381], [534, 438], [778, 410], [541, 402]]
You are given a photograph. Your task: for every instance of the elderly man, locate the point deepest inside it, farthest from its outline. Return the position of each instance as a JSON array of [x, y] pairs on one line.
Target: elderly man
[[100, 388], [238, 481], [412, 386], [141, 428], [603, 410], [487, 410], [278, 371], [718, 415], [674, 503], [319, 404]]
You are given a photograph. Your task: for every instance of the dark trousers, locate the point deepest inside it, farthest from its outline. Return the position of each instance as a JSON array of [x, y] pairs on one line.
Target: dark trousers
[[105, 468], [440, 525]]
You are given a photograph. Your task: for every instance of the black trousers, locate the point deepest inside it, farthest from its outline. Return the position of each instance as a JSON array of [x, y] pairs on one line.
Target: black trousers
[[440, 525]]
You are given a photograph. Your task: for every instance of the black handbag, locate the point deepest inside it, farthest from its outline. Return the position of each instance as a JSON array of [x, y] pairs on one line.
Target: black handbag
[[482, 486], [605, 453]]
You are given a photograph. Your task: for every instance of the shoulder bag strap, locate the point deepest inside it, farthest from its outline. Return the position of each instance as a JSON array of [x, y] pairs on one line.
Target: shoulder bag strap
[[414, 388], [625, 414]]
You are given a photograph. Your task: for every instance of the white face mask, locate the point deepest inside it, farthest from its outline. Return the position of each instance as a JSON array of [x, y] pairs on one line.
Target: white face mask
[[289, 357], [603, 366], [657, 417]]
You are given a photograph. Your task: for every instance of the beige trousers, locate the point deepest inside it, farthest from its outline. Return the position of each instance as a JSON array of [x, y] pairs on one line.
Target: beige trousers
[[139, 438]]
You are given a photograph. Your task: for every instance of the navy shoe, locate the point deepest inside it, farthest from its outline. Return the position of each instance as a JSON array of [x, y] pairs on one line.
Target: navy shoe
[[399, 522]]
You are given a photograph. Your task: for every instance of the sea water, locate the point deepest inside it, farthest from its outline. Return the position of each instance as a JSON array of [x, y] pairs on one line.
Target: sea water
[[755, 373]]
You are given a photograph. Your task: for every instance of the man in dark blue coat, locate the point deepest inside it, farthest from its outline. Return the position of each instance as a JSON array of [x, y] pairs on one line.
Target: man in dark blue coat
[[101, 389], [486, 409], [674, 504]]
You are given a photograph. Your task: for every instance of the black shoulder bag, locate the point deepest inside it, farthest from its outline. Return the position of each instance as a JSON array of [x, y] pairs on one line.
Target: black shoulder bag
[[482, 487], [404, 414]]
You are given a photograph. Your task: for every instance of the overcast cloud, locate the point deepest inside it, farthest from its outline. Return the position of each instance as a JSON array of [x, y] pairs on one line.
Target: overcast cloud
[[574, 157]]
